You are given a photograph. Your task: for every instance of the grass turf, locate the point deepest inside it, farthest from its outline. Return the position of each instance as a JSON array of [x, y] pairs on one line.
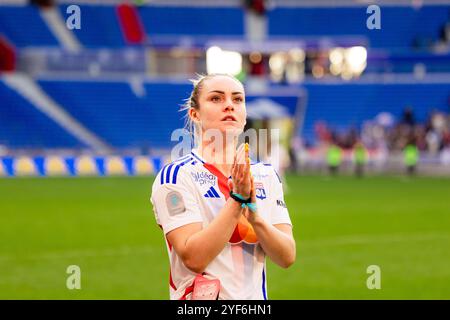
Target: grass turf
[[341, 225]]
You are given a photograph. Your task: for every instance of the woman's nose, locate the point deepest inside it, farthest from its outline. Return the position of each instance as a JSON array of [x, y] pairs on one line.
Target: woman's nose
[[229, 105]]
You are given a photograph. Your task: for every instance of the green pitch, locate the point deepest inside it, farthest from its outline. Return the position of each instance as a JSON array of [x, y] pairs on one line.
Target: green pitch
[[341, 225]]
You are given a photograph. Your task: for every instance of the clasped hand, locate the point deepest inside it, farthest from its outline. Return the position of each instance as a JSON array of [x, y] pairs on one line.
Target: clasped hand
[[241, 181]]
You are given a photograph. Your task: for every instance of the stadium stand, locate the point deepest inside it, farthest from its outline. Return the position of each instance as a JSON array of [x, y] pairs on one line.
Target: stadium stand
[[114, 112], [24, 26], [114, 89], [100, 27], [23, 126], [332, 103], [193, 21], [312, 22]]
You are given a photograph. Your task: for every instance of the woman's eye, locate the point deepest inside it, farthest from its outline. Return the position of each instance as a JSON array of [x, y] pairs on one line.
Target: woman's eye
[[215, 98], [239, 99]]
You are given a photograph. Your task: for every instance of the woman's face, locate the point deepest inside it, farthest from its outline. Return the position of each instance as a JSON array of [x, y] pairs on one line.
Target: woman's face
[[222, 105]]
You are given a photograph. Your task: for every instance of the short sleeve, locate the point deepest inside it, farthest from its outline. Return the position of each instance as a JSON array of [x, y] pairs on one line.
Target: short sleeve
[[175, 205], [280, 213]]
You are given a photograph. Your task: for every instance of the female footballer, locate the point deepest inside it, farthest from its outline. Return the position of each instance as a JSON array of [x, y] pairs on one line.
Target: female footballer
[[221, 217]]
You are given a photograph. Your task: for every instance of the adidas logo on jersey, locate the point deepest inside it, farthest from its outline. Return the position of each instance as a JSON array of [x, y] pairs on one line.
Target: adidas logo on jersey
[[211, 193]]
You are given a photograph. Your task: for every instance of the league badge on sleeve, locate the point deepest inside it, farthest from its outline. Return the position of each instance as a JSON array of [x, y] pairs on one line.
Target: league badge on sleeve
[[260, 191], [175, 203]]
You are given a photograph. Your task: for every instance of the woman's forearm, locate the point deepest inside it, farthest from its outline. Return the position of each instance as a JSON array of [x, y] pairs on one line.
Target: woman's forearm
[[203, 246], [278, 246]]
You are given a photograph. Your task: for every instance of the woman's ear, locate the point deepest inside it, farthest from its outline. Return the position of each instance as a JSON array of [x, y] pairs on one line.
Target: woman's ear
[[193, 114]]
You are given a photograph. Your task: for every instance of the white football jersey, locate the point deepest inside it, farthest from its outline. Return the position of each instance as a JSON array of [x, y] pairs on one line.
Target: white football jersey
[[190, 190]]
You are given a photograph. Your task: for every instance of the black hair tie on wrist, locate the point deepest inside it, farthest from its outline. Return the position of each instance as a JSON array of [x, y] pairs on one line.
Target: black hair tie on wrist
[[239, 198]]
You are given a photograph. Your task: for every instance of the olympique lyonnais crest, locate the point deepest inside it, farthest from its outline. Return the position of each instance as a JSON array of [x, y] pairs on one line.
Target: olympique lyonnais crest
[[260, 191]]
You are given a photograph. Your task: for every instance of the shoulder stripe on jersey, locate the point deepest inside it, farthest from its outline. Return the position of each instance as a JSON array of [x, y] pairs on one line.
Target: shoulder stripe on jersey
[[169, 164], [168, 173], [162, 174], [183, 158], [197, 157], [175, 173]]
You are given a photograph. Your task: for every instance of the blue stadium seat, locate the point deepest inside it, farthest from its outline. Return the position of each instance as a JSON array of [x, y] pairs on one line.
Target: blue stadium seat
[[23, 126], [23, 26], [399, 25], [342, 106], [193, 21], [117, 115], [99, 26]]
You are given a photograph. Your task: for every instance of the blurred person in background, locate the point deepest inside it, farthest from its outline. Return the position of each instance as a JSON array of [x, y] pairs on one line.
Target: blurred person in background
[[411, 157], [334, 158], [359, 158], [408, 117]]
